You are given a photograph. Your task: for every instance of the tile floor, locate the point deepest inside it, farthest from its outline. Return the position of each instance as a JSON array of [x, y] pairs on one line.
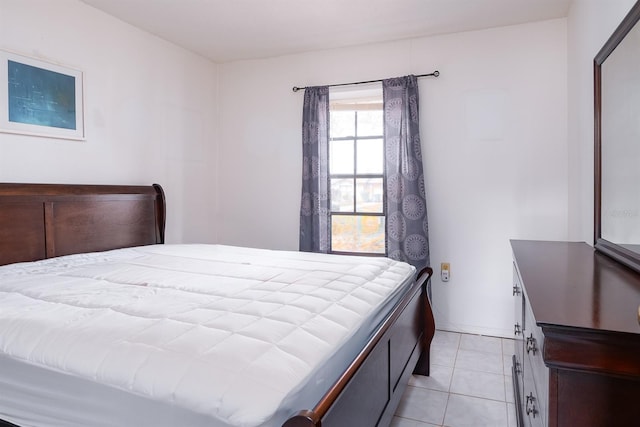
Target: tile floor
[[470, 385]]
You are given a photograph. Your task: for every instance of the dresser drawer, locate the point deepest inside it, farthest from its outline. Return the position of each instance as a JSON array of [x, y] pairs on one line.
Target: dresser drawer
[[532, 412], [535, 398], [533, 344], [518, 335], [535, 388]]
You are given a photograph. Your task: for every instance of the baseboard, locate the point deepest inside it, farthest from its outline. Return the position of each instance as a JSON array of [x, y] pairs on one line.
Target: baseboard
[[475, 330]]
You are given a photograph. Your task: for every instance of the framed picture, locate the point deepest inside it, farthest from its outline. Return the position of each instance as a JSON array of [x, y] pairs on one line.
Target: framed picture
[[40, 98]]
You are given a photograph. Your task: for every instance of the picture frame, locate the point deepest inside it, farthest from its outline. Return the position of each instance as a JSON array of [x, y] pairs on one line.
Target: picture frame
[[40, 98]]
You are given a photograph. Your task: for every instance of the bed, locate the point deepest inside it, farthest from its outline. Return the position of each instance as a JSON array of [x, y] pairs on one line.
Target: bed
[[73, 231]]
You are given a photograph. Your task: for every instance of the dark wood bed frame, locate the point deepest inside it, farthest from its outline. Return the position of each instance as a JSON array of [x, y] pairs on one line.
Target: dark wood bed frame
[[39, 221]]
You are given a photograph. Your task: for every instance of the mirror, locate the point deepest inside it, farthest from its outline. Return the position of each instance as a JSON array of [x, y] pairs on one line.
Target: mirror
[[617, 143]]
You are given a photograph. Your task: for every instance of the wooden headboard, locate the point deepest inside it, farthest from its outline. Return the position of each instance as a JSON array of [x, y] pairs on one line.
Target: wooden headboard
[[39, 221]]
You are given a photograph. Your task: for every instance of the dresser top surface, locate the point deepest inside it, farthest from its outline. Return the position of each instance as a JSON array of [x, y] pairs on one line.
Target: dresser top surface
[[569, 284]]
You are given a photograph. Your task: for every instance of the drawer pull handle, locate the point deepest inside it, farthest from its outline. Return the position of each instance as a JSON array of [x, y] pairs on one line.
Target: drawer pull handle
[[517, 330], [531, 345], [531, 405], [516, 290]]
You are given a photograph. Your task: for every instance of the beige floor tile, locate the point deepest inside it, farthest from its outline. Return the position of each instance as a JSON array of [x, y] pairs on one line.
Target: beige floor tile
[[466, 411], [421, 404], [481, 343], [480, 361], [478, 384], [405, 422], [470, 385], [439, 378]]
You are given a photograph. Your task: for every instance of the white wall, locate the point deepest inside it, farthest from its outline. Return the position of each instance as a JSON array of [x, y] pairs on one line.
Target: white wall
[[494, 131], [589, 26], [150, 111]]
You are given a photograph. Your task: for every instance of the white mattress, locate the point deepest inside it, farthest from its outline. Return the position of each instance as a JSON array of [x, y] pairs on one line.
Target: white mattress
[[184, 335]]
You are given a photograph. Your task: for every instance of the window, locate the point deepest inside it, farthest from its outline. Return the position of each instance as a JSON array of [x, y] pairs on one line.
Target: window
[[356, 173]]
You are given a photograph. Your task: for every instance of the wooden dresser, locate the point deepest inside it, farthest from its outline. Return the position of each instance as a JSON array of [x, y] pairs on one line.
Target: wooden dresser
[[577, 350]]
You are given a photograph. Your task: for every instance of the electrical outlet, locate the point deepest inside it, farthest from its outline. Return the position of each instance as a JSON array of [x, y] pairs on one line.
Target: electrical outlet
[[445, 271]]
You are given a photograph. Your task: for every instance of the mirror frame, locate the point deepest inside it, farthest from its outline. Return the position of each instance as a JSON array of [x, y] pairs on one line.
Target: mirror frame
[[615, 251]]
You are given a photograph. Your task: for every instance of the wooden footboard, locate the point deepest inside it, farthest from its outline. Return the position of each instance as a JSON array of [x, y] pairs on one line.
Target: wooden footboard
[[369, 391]]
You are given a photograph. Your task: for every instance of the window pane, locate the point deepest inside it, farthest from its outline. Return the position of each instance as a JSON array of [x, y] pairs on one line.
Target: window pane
[[342, 123], [369, 195], [357, 234], [370, 156], [341, 157], [370, 123], [342, 195]]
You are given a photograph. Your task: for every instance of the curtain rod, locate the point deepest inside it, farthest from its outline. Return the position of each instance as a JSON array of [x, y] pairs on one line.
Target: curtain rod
[[434, 74]]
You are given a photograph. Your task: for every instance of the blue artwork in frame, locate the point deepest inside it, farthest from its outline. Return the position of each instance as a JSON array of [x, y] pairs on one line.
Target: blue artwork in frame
[[40, 98]]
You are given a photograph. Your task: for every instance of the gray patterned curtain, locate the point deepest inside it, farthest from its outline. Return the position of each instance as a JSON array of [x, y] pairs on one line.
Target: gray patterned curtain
[[314, 209], [407, 227]]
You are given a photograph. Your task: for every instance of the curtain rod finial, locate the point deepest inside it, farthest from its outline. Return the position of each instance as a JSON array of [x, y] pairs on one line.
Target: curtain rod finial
[[436, 73], [296, 88]]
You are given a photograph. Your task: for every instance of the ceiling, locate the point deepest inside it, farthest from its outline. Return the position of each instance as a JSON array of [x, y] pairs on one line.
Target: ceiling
[[228, 30]]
